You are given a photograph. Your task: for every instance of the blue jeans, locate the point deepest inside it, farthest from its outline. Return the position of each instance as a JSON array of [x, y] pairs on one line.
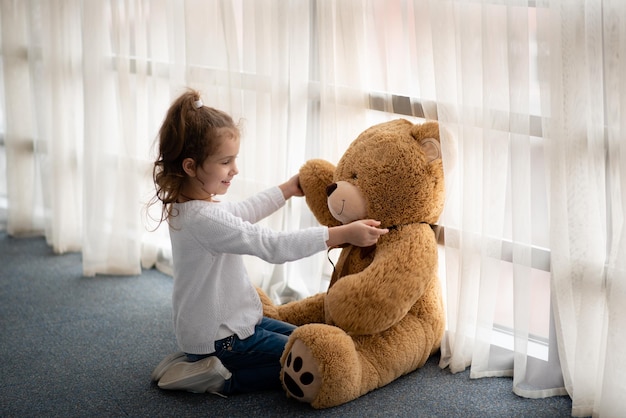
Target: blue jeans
[[255, 361]]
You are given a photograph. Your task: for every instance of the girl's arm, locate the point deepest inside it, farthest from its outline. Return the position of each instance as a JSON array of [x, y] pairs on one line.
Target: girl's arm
[[362, 233], [263, 204], [258, 206]]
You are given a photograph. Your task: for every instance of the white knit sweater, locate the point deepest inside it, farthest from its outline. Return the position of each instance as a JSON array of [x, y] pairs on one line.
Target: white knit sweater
[[213, 296]]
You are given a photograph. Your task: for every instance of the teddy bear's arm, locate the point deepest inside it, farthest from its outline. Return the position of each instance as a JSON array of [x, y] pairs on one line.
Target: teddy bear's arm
[[305, 311], [315, 176], [379, 296]]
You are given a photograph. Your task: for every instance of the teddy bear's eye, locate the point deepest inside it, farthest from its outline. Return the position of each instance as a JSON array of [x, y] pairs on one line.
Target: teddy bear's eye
[[354, 176]]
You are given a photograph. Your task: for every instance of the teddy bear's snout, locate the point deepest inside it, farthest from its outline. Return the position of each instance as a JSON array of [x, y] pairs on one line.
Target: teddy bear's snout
[[330, 189]]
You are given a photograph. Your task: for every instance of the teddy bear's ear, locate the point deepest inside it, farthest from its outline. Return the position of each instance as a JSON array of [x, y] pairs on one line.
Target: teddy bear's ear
[[431, 148]]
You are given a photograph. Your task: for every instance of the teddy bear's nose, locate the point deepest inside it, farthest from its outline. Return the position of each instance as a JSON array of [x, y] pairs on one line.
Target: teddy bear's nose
[[330, 189]]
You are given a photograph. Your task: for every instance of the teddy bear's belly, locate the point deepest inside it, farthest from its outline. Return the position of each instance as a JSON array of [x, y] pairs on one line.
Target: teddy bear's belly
[[352, 260]]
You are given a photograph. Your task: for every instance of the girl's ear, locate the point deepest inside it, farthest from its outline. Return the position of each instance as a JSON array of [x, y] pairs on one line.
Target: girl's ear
[[189, 166]]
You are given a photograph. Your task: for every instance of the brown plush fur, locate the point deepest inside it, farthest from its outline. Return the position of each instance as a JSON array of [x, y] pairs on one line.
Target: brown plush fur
[[382, 316]]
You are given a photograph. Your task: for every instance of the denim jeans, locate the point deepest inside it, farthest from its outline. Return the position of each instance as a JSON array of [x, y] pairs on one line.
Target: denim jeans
[[255, 361]]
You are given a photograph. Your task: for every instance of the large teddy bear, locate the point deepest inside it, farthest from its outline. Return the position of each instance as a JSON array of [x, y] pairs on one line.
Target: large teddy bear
[[382, 316]]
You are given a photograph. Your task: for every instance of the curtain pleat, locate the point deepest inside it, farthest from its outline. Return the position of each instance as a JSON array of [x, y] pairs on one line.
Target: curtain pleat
[[24, 214]]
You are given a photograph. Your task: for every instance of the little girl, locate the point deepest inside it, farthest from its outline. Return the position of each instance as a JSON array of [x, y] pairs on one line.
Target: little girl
[[228, 345]]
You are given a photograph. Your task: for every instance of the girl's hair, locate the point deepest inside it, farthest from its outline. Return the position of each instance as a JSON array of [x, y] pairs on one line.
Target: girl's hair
[[190, 130]]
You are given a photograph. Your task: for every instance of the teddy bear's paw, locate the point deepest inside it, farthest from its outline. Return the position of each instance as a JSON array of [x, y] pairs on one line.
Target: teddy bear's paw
[[301, 376], [321, 366]]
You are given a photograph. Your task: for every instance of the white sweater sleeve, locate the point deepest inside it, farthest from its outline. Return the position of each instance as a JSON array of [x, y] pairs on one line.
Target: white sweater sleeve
[[218, 230], [258, 206]]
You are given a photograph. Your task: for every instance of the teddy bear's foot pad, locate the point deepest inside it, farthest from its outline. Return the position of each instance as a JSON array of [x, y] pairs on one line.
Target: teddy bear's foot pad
[[301, 377]]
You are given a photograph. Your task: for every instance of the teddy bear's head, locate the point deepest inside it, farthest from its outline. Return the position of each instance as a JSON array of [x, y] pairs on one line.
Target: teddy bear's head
[[391, 172]]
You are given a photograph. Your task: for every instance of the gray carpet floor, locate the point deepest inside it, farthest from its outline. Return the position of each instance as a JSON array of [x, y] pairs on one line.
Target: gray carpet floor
[[74, 346]]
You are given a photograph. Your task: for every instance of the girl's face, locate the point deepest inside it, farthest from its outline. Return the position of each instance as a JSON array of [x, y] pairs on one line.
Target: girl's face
[[213, 177]]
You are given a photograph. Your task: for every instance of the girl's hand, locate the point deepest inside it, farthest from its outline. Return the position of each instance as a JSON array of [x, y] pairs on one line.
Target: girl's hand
[[361, 233], [291, 187]]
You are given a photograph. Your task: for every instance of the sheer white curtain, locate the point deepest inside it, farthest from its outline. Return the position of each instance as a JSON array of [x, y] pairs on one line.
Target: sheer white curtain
[[534, 93], [41, 146], [76, 131], [583, 67], [87, 85], [496, 254], [530, 96]]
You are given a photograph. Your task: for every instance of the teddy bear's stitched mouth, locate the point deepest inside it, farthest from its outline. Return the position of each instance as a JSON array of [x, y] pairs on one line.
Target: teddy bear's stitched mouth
[[343, 205]]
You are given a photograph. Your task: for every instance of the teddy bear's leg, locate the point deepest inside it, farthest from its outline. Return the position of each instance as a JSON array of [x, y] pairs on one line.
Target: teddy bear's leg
[[397, 351], [324, 366], [321, 366]]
